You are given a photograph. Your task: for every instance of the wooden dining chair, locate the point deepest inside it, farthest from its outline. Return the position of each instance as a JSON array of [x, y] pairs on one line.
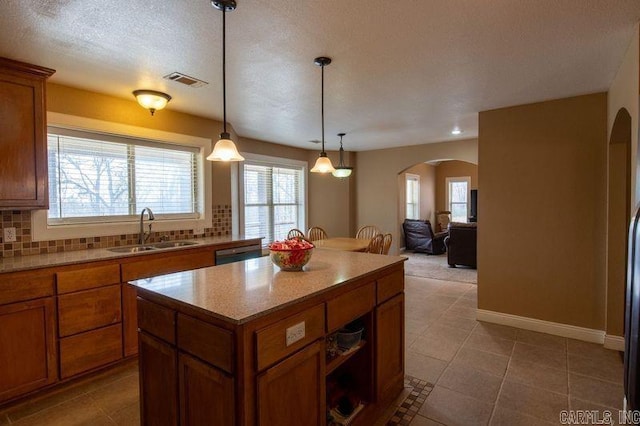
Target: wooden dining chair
[[316, 233], [295, 233], [367, 232], [386, 243], [375, 245]]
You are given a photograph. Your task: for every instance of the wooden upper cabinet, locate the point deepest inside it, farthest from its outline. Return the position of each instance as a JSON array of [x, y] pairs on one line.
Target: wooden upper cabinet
[[23, 138]]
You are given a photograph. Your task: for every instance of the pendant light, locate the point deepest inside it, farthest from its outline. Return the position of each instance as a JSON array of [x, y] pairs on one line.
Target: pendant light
[[323, 163], [224, 149], [341, 170]]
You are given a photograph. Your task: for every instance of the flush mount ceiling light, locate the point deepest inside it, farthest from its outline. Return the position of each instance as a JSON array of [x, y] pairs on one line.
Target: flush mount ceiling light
[[224, 149], [151, 99], [341, 170], [456, 131], [323, 163]]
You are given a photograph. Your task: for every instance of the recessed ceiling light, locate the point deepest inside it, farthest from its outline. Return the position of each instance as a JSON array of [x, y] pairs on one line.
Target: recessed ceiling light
[[456, 131]]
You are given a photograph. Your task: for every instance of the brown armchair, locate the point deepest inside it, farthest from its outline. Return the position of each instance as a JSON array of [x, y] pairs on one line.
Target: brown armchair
[[419, 237], [462, 244]]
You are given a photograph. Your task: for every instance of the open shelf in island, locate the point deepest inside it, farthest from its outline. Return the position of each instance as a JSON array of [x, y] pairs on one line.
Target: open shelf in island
[[341, 358]]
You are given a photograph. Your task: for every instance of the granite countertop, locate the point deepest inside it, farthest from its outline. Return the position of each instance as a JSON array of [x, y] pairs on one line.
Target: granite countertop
[[239, 292], [22, 263]]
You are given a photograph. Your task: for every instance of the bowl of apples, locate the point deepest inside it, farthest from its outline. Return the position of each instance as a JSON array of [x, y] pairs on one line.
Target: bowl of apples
[[291, 254]]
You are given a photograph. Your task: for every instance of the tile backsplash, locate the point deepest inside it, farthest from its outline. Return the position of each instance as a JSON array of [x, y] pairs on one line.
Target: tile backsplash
[[24, 246]]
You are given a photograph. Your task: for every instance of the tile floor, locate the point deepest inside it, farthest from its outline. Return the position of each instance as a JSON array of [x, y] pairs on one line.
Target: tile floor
[[459, 372]]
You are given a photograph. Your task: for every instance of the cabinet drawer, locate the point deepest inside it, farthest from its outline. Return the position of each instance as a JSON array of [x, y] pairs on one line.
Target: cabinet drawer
[[27, 285], [271, 341], [85, 278], [89, 350], [349, 306], [166, 265], [89, 309], [390, 285], [157, 320], [206, 341]]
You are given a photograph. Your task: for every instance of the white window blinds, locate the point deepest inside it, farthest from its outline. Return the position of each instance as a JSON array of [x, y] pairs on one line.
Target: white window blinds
[[99, 178], [273, 200], [413, 196]]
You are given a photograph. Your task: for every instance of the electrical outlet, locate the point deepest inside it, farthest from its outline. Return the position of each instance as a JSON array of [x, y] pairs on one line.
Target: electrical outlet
[[9, 235], [295, 333], [198, 231]]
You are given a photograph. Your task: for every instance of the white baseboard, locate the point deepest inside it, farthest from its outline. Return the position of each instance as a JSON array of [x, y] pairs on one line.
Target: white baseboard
[[614, 342], [557, 329]]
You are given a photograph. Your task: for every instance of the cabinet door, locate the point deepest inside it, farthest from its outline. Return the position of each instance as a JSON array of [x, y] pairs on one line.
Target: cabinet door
[[158, 382], [292, 392], [129, 320], [206, 394], [92, 349], [22, 142], [89, 309], [28, 349], [390, 347]]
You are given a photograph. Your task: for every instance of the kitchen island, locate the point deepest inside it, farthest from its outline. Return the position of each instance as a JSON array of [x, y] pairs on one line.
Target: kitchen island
[[248, 344]]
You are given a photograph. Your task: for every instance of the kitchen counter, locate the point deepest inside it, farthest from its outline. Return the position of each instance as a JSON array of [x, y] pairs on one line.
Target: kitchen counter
[[23, 263], [246, 344], [242, 291]]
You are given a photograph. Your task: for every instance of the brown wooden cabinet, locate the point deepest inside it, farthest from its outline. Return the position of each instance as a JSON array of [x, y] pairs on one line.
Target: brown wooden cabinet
[[206, 394], [28, 358], [390, 355], [158, 382], [57, 323], [292, 392], [23, 141], [272, 369]]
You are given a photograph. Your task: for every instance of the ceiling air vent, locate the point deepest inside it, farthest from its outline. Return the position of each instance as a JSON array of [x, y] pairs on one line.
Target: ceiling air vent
[[185, 79]]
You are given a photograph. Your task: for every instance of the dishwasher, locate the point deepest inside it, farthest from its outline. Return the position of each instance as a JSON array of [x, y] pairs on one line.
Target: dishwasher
[[238, 253]]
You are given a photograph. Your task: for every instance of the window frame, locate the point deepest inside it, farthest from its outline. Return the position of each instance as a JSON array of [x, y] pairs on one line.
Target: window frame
[[415, 178], [43, 231], [448, 182], [266, 160]]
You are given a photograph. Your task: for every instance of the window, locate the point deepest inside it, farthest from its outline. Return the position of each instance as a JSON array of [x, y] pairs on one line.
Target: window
[[413, 196], [458, 189], [273, 195], [101, 177]]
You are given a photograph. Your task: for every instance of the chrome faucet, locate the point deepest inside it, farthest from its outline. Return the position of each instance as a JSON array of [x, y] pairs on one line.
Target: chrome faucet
[[142, 238]]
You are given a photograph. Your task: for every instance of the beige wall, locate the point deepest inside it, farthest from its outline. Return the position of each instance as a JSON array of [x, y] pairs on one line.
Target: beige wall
[[542, 204], [331, 200], [427, 174], [377, 184], [622, 179], [448, 169]]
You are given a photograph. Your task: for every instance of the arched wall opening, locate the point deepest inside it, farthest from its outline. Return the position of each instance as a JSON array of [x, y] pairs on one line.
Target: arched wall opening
[[377, 183], [618, 217]]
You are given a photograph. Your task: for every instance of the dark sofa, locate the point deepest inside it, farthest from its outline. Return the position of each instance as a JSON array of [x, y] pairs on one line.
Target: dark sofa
[[419, 237], [462, 244]]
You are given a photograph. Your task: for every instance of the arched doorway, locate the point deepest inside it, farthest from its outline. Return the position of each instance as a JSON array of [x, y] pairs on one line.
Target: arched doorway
[[618, 216]]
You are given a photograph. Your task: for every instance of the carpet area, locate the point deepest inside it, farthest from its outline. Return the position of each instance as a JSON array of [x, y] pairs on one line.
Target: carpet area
[[436, 267]]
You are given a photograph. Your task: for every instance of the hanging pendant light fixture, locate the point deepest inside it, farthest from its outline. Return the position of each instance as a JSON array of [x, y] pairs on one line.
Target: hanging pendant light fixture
[[341, 170], [224, 149], [323, 163]]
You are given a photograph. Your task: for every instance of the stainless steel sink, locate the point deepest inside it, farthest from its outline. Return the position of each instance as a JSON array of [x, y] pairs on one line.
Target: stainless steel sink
[[154, 246], [171, 244], [131, 249]]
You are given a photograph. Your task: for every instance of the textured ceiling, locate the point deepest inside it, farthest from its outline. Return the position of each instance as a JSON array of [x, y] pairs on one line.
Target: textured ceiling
[[404, 72]]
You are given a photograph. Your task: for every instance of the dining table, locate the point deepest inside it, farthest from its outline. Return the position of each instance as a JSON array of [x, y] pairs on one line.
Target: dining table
[[343, 243]]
